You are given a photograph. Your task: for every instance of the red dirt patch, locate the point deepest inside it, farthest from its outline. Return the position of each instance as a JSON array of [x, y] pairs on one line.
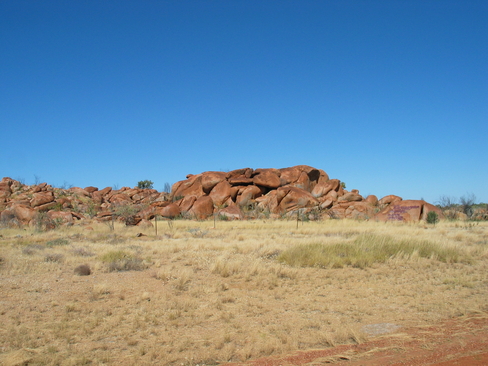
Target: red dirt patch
[[455, 342]]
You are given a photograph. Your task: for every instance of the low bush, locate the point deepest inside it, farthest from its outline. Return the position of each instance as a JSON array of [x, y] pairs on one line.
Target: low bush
[[432, 218], [366, 250]]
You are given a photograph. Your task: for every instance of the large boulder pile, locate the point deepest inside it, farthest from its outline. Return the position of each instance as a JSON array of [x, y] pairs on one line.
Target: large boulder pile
[[301, 191]]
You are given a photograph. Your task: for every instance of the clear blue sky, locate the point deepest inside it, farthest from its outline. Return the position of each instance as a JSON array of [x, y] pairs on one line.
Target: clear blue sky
[[389, 96]]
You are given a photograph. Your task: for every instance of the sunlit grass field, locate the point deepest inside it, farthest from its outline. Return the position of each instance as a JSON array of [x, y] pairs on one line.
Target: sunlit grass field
[[205, 293]]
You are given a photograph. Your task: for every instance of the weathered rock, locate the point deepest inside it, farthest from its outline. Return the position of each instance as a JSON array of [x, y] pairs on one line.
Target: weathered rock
[[202, 207], [120, 198], [428, 208], [407, 210], [332, 195], [132, 192], [211, 179], [145, 223], [77, 215], [5, 190], [148, 213], [269, 202], [221, 193], [91, 189], [231, 212], [23, 213], [266, 178], [293, 176], [64, 202], [389, 199], [60, 216], [46, 207], [337, 211], [190, 187], [171, 211], [292, 198], [186, 203], [41, 198], [234, 191], [326, 204], [322, 188], [40, 187], [104, 215], [240, 180], [323, 177], [239, 174], [248, 195], [372, 199], [99, 196], [359, 211], [350, 197], [289, 175], [132, 220]]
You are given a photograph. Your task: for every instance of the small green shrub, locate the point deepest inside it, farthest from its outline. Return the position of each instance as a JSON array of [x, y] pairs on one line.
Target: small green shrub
[[145, 184], [432, 218], [366, 250]]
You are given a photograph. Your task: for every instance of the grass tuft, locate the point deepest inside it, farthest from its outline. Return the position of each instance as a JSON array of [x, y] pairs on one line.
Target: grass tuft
[[54, 257], [120, 260], [57, 242], [366, 250]]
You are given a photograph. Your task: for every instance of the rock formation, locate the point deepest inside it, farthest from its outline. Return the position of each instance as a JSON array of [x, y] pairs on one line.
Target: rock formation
[[243, 193]]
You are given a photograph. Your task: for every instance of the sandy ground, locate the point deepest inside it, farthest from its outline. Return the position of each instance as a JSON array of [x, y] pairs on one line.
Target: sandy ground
[[455, 342]]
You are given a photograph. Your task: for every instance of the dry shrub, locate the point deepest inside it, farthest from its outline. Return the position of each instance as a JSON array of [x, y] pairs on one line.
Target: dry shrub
[[82, 252], [32, 249], [100, 289], [182, 278], [225, 267], [164, 274], [83, 270]]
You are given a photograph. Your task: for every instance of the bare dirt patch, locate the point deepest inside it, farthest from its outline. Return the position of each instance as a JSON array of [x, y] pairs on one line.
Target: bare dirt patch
[[461, 341]]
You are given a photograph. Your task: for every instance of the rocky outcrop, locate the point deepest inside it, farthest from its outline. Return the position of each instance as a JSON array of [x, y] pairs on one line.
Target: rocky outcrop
[[407, 210], [238, 194]]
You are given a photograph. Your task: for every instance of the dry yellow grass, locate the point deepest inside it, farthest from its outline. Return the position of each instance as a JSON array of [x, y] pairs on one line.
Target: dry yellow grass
[[198, 295]]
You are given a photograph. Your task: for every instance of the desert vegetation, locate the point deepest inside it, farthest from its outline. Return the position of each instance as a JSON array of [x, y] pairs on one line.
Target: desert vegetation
[[200, 293]]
